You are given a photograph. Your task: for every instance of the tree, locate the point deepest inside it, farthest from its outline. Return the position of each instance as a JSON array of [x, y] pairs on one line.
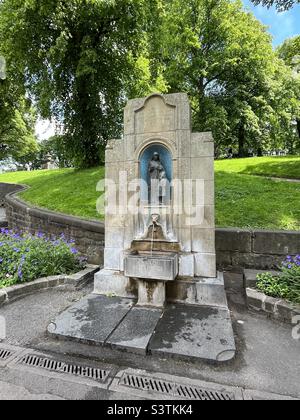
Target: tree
[[281, 5], [78, 59], [223, 58], [17, 138], [289, 52]]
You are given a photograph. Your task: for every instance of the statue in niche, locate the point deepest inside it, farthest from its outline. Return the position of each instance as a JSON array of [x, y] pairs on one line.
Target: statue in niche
[[157, 179]]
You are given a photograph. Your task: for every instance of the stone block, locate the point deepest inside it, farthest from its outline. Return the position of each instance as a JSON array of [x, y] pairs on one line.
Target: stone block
[[135, 331], [186, 265], [203, 240], [114, 151], [254, 299], [234, 281], [224, 260], [202, 145], [112, 258], [181, 291], [155, 116], [250, 276], [3, 296], [211, 292], [201, 217], [286, 310], [233, 240], [110, 282], [276, 242], [184, 238], [151, 293], [205, 265], [194, 333], [183, 138], [114, 237], [256, 261], [156, 266], [202, 168], [184, 168]]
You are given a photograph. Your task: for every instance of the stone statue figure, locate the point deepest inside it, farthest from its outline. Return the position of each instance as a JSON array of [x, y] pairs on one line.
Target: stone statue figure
[[157, 179]]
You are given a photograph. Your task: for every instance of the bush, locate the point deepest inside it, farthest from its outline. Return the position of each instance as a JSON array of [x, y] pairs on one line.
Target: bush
[[25, 257], [286, 285]]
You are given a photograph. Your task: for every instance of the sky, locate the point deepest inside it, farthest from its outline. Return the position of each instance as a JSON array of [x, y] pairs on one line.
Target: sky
[[281, 25]]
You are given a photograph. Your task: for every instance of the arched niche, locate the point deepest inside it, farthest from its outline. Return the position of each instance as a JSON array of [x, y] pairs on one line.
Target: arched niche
[[145, 157]]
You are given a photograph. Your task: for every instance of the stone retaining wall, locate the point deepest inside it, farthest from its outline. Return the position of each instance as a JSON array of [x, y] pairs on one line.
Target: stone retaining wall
[[258, 249], [88, 235], [6, 189]]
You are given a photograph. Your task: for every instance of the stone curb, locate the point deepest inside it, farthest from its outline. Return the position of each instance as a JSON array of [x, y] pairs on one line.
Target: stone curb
[[73, 281], [55, 217], [279, 309], [251, 274]]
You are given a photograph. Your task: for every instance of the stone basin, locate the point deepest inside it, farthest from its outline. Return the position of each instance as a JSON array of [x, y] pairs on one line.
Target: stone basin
[[153, 266]]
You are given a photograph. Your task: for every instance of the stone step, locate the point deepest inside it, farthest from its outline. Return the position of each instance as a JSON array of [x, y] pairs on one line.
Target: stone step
[[181, 331], [198, 291]]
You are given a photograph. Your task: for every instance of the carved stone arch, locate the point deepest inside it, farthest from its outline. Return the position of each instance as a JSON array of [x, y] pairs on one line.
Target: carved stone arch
[[168, 144]]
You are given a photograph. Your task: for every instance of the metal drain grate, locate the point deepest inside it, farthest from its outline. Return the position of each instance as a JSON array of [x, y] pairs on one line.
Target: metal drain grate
[[173, 389], [5, 354], [99, 375]]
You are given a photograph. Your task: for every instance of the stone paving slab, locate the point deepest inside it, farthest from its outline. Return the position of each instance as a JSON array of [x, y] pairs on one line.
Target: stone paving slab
[[194, 332], [136, 329], [92, 319]]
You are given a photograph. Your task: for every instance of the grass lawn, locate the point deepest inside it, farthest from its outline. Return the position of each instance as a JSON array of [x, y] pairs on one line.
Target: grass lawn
[[282, 167], [241, 200]]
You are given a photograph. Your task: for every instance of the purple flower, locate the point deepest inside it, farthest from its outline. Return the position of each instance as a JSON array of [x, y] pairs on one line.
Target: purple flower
[[40, 235], [74, 251], [16, 249], [1, 260]]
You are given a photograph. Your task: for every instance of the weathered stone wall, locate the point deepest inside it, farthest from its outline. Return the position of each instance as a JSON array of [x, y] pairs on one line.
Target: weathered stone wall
[[88, 235], [260, 249], [6, 189]]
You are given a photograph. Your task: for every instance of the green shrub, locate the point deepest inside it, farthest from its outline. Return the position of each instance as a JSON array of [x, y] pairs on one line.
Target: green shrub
[[25, 257], [286, 285]]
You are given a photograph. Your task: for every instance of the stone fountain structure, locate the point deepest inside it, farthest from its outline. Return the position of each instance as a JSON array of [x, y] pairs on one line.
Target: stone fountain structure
[[159, 259], [180, 261]]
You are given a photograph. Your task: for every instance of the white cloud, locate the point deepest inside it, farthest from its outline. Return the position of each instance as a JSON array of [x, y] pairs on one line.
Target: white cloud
[[281, 25]]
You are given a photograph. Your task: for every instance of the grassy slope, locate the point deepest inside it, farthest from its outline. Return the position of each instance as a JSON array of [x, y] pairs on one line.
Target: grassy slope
[[284, 167], [65, 190], [241, 200]]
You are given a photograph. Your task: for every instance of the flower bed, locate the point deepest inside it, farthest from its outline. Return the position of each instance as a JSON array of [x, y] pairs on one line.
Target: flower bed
[[284, 286], [25, 257]]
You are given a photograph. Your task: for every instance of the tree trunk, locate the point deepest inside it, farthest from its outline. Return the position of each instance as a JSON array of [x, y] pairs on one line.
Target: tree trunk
[[298, 127], [241, 139]]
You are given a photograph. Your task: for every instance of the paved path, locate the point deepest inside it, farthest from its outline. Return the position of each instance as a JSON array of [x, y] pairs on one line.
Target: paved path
[[267, 359], [276, 178]]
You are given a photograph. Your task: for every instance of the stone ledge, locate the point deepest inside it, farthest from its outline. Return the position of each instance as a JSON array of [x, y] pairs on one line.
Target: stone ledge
[[54, 217], [73, 281], [250, 276], [275, 307]]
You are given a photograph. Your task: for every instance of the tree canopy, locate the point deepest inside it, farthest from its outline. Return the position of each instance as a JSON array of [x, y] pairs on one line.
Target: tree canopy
[[17, 119], [79, 61], [223, 58], [281, 5]]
